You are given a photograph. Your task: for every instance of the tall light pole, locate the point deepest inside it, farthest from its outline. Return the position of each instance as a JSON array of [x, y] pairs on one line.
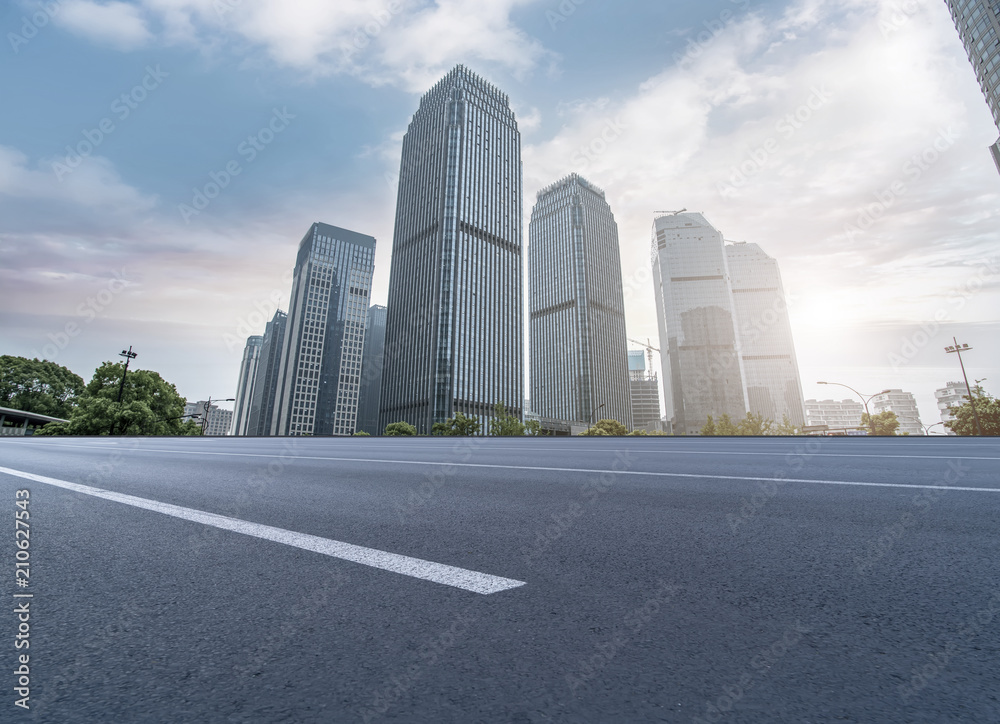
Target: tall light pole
[[871, 422], [958, 349], [129, 355], [208, 408], [594, 413]]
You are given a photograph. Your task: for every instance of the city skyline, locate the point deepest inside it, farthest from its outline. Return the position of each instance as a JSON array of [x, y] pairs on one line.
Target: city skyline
[[777, 118]]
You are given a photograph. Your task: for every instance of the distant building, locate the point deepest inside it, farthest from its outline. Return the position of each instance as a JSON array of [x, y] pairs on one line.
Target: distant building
[[904, 405], [371, 371], [244, 385], [644, 389], [836, 415], [319, 378], [579, 363], [265, 388], [954, 394], [699, 350], [220, 421], [770, 368]]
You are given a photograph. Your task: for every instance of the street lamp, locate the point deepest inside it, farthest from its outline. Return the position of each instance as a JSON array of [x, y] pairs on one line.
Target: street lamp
[[871, 422], [129, 355], [594, 413], [958, 349], [208, 407]]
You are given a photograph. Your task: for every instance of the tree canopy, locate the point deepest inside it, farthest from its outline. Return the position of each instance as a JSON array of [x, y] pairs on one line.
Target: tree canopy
[[457, 426], [400, 429], [885, 423], [38, 386], [751, 425], [987, 407], [503, 424]]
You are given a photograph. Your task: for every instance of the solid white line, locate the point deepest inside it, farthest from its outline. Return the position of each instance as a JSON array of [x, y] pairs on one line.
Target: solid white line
[[415, 567], [575, 470]]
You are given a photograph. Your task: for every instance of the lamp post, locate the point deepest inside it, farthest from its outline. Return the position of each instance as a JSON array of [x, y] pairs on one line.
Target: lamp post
[[129, 355], [208, 407], [871, 422], [958, 349], [594, 413]]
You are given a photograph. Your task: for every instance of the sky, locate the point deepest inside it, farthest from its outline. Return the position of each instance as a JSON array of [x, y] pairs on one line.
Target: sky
[[848, 138]]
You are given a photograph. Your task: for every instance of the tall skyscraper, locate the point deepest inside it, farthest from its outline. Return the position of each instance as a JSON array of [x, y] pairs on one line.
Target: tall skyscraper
[[265, 388], [702, 369], [645, 391], [371, 371], [244, 386], [454, 336], [579, 363], [978, 23], [320, 373], [770, 369]]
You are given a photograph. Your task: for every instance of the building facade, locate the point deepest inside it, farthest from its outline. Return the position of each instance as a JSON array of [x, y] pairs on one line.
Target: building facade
[[579, 359], [319, 377], [644, 389], [770, 368], [217, 422], [904, 405], [245, 385], [371, 371], [836, 415], [702, 369], [454, 329], [265, 387], [978, 24], [954, 394]]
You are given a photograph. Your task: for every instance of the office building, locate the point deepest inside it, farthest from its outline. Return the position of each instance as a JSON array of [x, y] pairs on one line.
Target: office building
[[702, 369], [265, 388], [371, 371], [644, 389], [579, 362], [904, 405], [244, 385], [842, 415], [454, 329], [978, 24], [770, 368], [218, 422], [954, 394], [319, 377]]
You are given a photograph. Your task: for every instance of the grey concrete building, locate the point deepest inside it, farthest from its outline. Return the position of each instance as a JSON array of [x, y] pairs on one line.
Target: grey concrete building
[[770, 367], [841, 415], [265, 388], [371, 371], [319, 377], [216, 422], [978, 24], [579, 361], [245, 385], [702, 369], [454, 339], [644, 389]]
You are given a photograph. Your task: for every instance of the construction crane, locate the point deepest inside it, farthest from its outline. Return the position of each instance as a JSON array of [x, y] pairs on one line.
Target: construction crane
[[649, 350]]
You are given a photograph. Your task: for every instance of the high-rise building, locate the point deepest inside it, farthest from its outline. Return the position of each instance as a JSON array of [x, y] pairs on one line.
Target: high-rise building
[[244, 386], [579, 362], [371, 371], [454, 339], [978, 23], [954, 394], [216, 422], [265, 386], [904, 405], [644, 389], [702, 369], [843, 415], [320, 373], [770, 369]]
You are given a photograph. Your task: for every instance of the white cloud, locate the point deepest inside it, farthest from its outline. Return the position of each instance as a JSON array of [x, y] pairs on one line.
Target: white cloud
[[117, 24]]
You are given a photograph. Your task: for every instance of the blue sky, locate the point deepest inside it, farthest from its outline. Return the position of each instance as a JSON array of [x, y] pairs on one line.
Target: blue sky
[[858, 125]]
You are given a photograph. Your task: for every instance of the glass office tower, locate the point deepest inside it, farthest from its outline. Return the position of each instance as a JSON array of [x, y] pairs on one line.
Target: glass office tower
[[454, 340], [371, 371], [579, 362], [320, 373], [265, 388], [245, 384]]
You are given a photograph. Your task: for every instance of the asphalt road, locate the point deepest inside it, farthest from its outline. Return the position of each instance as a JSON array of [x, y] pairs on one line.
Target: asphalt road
[[504, 580]]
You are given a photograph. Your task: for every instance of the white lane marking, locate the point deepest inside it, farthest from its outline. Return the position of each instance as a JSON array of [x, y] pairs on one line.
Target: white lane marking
[[415, 567], [574, 470]]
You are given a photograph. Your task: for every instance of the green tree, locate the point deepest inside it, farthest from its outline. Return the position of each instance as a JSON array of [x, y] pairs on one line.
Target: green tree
[[150, 406], [755, 425], [606, 427], [786, 428], [987, 407], [504, 424], [725, 426], [885, 423], [533, 428], [400, 429], [361, 433], [38, 386], [709, 429]]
